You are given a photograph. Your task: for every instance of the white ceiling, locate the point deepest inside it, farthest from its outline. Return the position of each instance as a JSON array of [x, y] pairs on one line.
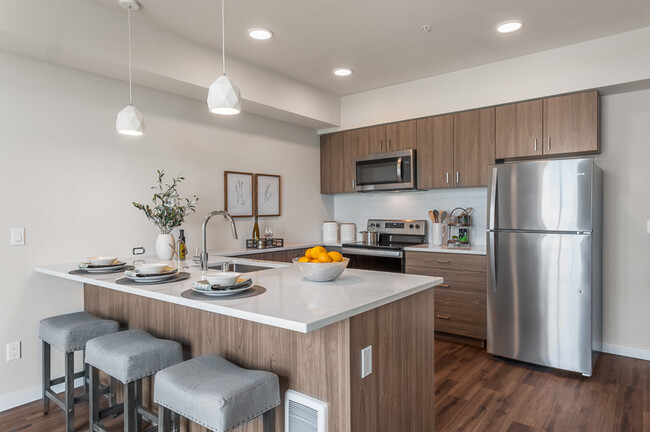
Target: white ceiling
[[381, 40]]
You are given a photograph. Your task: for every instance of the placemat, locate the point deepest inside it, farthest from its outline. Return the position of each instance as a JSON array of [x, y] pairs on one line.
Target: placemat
[[253, 291], [176, 278], [85, 272]]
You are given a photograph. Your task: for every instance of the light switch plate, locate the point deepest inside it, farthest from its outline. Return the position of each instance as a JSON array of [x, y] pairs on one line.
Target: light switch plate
[[17, 236], [366, 361]]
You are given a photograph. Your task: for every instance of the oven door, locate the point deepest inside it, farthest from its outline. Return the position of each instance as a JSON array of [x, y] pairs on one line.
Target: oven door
[[375, 259]]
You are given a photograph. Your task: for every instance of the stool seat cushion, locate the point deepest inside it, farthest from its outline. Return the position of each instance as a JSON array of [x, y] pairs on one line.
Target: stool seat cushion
[[132, 354], [70, 332], [215, 393]]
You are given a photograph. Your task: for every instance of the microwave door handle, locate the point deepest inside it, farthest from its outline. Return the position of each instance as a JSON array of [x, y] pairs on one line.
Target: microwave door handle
[[399, 170]]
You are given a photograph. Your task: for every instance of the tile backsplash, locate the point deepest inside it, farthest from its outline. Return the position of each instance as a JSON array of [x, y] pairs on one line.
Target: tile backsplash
[[359, 207]]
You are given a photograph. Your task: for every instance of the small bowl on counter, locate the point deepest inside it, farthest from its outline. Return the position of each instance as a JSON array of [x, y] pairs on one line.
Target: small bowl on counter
[[322, 272], [101, 260], [151, 268], [221, 278]]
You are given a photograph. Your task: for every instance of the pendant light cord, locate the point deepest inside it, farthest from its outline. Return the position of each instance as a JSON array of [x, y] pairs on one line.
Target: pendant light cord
[[130, 91], [223, 37]]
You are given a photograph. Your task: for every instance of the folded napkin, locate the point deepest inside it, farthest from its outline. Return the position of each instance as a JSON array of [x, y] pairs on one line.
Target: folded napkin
[[204, 285]]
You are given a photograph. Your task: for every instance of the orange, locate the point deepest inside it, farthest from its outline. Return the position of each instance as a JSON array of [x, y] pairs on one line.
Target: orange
[[336, 256], [308, 253], [314, 261], [324, 258], [317, 251], [303, 259]]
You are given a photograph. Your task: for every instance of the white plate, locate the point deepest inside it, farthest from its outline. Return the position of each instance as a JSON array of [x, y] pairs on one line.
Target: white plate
[[104, 269], [222, 293], [152, 278]]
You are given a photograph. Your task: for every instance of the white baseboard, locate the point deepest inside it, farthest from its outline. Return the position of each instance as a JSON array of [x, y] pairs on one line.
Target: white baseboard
[[626, 351], [24, 396]]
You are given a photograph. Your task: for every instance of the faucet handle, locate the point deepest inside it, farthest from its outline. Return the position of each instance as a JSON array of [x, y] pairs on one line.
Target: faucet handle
[[225, 266]]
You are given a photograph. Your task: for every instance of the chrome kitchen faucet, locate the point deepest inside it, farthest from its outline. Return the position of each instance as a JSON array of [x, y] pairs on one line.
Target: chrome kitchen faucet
[[204, 248]]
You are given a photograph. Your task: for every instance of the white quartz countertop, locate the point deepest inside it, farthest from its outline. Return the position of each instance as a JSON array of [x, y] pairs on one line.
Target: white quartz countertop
[[287, 246], [290, 301], [475, 250]]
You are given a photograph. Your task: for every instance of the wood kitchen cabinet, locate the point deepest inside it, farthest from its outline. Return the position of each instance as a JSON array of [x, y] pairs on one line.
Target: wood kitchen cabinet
[[331, 163], [460, 302], [558, 125], [474, 146], [401, 136], [435, 151]]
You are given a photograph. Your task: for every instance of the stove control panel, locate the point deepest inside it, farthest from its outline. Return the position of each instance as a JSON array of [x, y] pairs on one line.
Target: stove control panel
[[398, 226]]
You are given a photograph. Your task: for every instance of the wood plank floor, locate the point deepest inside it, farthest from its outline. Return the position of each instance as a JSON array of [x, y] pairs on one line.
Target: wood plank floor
[[475, 392]]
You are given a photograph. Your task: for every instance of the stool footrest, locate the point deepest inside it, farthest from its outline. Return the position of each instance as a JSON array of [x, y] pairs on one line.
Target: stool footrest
[[99, 428], [54, 398], [148, 415], [111, 411]]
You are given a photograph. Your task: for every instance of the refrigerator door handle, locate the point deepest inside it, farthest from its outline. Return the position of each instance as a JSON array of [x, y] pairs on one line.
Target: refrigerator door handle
[[492, 261], [493, 198]]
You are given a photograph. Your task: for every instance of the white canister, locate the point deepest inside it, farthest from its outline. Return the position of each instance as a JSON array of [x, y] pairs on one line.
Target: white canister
[[348, 232], [330, 232]]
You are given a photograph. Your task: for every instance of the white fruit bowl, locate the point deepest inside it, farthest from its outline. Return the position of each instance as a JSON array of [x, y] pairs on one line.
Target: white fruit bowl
[[322, 272]]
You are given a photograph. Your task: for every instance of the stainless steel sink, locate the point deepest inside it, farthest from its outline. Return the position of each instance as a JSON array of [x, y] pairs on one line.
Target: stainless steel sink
[[241, 268]]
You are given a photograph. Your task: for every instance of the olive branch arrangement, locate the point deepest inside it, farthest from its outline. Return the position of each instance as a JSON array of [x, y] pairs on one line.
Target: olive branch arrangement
[[168, 211]]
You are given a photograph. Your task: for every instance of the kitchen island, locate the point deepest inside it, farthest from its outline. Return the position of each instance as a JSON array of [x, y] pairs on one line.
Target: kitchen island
[[309, 333]]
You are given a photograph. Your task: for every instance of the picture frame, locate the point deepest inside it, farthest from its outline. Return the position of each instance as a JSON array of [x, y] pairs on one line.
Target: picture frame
[[268, 195], [238, 197]]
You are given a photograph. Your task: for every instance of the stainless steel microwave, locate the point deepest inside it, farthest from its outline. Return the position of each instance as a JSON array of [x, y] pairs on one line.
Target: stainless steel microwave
[[385, 171]]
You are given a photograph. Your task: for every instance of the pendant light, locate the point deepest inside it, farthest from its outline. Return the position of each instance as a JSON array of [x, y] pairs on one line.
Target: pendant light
[[223, 95], [129, 120]]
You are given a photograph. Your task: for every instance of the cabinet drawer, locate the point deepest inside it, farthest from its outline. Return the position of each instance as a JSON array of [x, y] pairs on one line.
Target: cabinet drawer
[[449, 261], [464, 320]]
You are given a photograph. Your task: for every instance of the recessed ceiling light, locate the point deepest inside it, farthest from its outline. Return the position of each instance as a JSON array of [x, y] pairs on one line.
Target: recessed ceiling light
[[509, 26], [260, 33], [342, 72]]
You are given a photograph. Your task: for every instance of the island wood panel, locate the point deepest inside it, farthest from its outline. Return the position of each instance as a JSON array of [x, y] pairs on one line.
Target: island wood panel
[[400, 388], [435, 151], [315, 363], [519, 130], [571, 124]]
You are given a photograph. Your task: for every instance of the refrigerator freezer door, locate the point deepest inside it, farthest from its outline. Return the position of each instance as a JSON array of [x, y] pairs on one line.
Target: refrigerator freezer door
[[554, 195], [539, 299]]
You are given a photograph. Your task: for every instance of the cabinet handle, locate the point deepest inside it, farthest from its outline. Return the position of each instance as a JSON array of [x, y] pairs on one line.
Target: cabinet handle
[[442, 262], [388, 143], [549, 143], [443, 285], [457, 177], [381, 144], [447, 177], [354, 184], [442, 316], [535, 145]]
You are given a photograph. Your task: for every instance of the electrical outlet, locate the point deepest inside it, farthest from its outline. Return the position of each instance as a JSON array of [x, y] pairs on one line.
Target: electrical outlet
[[17, 236], [366, 361], [13, 351]]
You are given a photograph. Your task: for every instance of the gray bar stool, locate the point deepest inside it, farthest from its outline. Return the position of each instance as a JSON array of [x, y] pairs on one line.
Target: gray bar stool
[[68, 333], [127, 356], [216, 394]]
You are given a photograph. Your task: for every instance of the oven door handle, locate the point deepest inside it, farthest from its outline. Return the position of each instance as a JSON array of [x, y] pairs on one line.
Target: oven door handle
[[372, 252]]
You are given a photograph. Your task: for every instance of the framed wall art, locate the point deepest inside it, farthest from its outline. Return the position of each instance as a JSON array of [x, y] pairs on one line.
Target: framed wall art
[[268, 195], [238, 198]]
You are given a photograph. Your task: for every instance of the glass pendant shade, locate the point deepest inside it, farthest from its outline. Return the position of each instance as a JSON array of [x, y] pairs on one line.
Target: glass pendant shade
[[130, 121], [224, 97]]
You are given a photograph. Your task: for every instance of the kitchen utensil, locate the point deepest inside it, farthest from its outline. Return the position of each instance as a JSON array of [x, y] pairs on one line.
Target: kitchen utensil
[[435, 215], [373, 238], [322, 272], [431, 216], [443, 216]]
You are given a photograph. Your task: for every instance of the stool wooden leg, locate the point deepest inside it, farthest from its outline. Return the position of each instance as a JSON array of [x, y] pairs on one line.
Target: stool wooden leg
[[129, 407], [268, 421], [164, 418], [69, 391], [176, 422], [93, 397], [47, 376], [86, 372]]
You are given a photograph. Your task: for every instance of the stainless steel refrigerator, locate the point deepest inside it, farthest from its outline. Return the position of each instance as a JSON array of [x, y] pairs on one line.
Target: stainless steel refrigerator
[[544, 262]]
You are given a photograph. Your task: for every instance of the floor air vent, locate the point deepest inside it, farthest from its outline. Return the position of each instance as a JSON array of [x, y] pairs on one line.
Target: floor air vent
[[303, 413]]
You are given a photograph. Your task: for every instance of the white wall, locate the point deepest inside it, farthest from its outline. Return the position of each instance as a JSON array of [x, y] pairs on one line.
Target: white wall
[[69, 178], [358, 208]]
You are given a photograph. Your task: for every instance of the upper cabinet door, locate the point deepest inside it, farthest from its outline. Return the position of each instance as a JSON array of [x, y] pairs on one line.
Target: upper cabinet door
[[435, 151], [474, 146], [519, 130], [401, 136], [571, 124], [371, 139], [331, 163], [350, 154]]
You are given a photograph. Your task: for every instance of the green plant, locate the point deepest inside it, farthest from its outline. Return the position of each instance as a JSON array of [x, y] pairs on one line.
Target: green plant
[[168, 212]]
